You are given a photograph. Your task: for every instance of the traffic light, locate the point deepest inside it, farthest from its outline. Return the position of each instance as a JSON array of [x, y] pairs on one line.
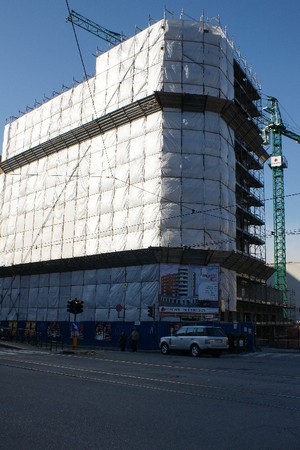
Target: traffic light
[[81, 307], [78, 306], [150, 311], [71, 305], [75, 306]]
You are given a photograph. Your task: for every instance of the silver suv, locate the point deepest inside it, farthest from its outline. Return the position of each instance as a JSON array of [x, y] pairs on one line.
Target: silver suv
[[196, 339]]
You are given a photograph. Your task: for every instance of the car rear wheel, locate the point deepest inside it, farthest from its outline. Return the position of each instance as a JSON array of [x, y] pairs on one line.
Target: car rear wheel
[[195, 350], [164, 348]]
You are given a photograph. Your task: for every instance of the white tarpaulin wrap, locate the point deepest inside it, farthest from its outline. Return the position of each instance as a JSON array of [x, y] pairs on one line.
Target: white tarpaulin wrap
[[227, 290], [167, 179], [44, 297]]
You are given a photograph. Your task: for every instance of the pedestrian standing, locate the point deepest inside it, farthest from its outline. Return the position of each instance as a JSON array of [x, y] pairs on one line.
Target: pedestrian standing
[[134, 339], [123, 340]]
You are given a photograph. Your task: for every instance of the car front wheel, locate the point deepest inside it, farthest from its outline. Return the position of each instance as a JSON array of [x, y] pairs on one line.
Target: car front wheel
[[164, 348], [195, 350]]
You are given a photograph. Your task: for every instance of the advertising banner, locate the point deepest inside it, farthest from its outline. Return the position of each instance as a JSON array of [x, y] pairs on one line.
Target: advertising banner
[[30, 329], [53, 330], [103, 331], [189, 290], [13, 328]]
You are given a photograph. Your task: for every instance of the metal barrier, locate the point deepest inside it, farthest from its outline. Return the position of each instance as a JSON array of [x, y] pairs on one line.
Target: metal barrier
[[21, 335], [54, 341], [237, 342]]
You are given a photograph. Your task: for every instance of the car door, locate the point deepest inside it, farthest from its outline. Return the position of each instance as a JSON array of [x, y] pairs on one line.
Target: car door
[[199, 333], [188, 338], [178, 340]]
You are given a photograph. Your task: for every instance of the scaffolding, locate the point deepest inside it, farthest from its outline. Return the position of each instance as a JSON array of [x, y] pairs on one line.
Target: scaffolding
[[160, 149]]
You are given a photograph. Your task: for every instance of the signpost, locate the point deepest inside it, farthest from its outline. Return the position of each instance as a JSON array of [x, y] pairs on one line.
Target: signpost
[[119, 309]]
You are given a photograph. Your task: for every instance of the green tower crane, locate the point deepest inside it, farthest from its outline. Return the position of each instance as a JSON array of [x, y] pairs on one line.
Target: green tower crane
[[273, 132]]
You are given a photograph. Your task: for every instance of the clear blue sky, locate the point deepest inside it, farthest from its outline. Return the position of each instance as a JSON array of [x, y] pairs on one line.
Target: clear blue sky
[[39, 54]]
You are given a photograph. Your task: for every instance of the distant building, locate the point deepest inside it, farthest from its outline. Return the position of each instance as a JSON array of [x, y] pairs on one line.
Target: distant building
[[293, 289], [293, 285]]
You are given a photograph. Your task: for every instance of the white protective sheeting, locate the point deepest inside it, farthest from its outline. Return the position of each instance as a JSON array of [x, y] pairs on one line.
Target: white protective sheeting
[[109, 204], [167, 179], [198, 59], [44, 297], [228, 290], [198, 182]]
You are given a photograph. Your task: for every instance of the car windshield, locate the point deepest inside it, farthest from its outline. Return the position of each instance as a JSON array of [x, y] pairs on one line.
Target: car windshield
[[215, 332]]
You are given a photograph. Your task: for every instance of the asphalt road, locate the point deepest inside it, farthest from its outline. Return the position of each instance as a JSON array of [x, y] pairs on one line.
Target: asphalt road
[[114, 400]]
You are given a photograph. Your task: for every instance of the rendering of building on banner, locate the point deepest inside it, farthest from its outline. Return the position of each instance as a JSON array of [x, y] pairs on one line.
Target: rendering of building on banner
[[189, 289], [142, 185]]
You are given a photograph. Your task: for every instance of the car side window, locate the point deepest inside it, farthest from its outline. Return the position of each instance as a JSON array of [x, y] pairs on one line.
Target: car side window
[[199, 331], [190, 332], [180, 333]]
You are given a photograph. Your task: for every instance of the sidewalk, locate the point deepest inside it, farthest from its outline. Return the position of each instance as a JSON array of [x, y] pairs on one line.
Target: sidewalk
[[68, 349], [278, 350], [21, 346]]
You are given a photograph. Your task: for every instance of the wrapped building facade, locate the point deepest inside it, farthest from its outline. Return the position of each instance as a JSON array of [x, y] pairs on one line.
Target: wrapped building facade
[[153, 161]]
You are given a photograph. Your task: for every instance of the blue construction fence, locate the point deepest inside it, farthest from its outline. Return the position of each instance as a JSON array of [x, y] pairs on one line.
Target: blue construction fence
[[241, 336]]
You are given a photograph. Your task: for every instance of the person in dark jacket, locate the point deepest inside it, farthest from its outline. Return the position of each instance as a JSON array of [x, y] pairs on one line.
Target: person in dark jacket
[[123, 340], [134, 339]]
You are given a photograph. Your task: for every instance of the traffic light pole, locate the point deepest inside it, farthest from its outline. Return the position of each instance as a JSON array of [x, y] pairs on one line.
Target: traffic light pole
[[75, 307], [153, 334], [75, 338], [151, 313]]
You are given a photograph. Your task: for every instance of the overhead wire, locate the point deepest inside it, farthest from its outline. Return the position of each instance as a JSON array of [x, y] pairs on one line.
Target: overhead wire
[[267, 234], [131, 184], [291, 118], [85, 153], [192, 210]]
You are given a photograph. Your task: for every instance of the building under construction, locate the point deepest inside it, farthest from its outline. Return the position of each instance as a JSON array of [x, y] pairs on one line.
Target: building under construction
[[141, 187]]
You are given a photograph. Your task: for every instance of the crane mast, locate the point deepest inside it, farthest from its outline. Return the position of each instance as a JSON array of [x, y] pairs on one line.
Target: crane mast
[[274, 131]]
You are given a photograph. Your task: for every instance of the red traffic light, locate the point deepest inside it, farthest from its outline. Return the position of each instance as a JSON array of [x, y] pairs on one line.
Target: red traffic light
[[75, 306], [78, 306]]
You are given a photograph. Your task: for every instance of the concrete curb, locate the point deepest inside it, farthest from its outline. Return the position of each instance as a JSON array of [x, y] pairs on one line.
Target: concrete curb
[[68, 349]]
